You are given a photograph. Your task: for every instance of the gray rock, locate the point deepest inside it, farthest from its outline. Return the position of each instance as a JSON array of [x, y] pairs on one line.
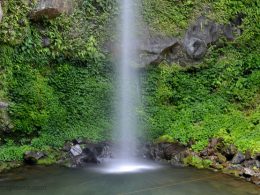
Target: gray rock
[[154, 48], [76, 150], [257, 163], [46, 42], [256, 179], [250, 163], [199, 36], [229, 151], [196, 48], [238, 158], [3, 105], [31, 157], [51, 9], [228, 32], [248, 172], [1, 12]]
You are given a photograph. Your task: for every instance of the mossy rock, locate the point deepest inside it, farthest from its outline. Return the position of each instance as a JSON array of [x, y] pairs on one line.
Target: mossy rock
[[46, 161], [197, 162], [165, 139]]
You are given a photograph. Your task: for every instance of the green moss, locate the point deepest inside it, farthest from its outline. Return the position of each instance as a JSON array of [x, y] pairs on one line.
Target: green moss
[[165, 138], [46, 161], [197, 162]]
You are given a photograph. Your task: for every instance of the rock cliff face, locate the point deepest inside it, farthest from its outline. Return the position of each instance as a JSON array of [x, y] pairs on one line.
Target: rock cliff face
[[189, 49], [51, 9]]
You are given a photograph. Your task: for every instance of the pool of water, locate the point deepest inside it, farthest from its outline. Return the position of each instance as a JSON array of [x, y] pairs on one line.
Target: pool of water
[[162, 180]]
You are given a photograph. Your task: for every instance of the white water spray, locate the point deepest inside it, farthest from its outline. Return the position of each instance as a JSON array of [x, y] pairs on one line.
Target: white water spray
[[127, 81], [125, 151], [128, 96]]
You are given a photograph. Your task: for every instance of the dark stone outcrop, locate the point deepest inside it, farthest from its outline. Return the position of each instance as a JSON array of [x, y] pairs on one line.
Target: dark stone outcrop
[[238, 158], [80, 153], [216, 155], [199, 35], [31, 157], [51, 9], [229, 151], [189, 49], [155, 49], [173, 152]]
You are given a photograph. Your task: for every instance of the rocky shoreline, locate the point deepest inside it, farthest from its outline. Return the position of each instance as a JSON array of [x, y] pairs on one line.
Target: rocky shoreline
[[217, 156]]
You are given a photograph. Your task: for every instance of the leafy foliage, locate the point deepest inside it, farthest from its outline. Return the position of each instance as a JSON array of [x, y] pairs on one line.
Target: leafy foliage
[[62, 90]]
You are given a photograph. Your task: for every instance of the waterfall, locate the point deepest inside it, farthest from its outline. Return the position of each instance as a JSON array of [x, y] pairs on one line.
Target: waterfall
[[127, 87], [125, 157]]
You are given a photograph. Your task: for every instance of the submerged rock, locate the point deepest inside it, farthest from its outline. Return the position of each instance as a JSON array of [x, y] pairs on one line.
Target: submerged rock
[[51, 9]]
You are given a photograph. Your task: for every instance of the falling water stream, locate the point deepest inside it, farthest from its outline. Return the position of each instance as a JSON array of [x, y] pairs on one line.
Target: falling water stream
[[126, 130]]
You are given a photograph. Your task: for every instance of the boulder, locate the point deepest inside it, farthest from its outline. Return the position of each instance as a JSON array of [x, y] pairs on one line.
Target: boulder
[[256, 179], [154, 49], [76, 150], [51, 9], [248, 172], [31, 157], [91, 156], [250, 163], [165, 151], [177, 159], [229, 151], [1, 12], [199, 35], [238, 158]]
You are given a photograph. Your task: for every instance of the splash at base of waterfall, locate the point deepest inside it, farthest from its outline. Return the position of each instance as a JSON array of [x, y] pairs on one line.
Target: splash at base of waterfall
[[116, 166]]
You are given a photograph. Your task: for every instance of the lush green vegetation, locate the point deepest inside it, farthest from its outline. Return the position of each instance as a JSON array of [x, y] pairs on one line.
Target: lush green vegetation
[[57, 92], [64, 90], [217, 98]]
